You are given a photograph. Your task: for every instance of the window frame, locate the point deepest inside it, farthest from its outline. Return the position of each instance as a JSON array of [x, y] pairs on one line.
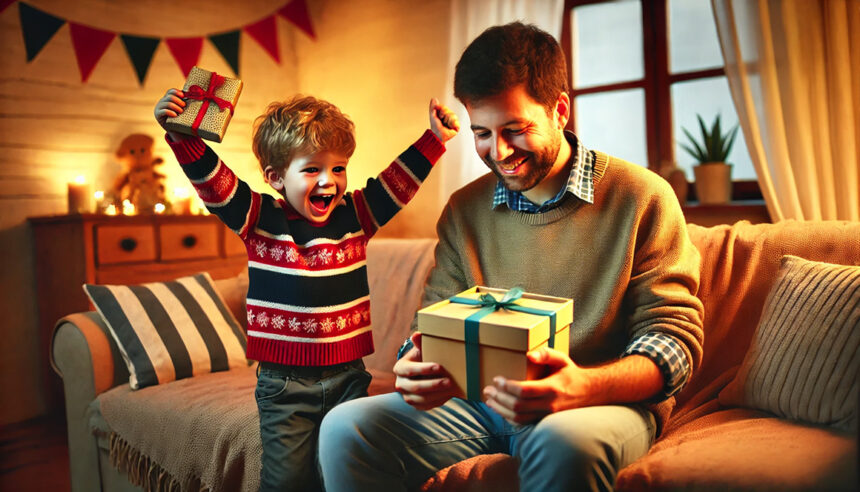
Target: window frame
[[657, 84]]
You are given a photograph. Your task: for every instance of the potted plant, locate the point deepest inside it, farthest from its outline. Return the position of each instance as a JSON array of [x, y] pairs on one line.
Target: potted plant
[[713, 174]]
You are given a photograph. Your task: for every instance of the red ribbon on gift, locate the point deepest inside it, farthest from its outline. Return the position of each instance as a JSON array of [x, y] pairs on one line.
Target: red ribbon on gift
[[208, 95]]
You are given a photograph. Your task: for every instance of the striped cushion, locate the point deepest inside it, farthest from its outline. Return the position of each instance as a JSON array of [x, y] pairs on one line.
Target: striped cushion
[[170, 330], [804, 359]]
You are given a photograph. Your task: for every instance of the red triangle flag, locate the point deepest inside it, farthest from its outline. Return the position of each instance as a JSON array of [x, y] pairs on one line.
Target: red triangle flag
[[265, 32], [89, 44], [297, 12], [186, 52], [6, 3]]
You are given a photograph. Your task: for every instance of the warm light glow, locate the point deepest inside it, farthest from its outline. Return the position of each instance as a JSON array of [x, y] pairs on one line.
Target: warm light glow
[[80, 179], [181, 192], [111, 209], [160, 208], [99, 195], [127, 207]]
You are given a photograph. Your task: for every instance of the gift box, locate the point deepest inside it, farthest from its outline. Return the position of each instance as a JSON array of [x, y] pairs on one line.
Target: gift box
[[210, 100], [484, 332]]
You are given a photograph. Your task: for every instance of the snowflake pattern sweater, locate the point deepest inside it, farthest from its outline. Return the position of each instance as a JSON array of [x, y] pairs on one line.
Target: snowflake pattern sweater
[[308, 299]]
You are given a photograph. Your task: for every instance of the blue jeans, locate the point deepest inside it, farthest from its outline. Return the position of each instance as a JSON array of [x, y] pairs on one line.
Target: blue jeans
[[292, 402], [381, 443]]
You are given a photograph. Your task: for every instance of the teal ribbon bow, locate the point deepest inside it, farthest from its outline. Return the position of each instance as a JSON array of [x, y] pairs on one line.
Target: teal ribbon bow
[[487, 304]]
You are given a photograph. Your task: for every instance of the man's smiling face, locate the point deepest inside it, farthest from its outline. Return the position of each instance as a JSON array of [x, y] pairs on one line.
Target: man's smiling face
[[515, 137]]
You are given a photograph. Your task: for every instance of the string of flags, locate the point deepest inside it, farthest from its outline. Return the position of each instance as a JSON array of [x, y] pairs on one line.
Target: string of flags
[[90, 43]]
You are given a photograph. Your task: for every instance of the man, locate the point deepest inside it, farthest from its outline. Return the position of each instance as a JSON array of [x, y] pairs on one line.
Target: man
[[560, 220]]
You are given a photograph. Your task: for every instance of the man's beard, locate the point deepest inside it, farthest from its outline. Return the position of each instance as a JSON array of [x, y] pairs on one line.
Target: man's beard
[[538, 165]]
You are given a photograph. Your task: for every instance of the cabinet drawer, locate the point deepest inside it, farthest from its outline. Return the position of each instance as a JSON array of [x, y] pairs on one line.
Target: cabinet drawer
[[124, 243], [184, 241], [233, 245]]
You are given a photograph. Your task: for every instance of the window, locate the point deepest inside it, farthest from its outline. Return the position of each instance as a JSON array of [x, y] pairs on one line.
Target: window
[[641, 70]]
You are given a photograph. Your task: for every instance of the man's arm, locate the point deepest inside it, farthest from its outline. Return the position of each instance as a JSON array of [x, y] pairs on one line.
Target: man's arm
[[425, 384]]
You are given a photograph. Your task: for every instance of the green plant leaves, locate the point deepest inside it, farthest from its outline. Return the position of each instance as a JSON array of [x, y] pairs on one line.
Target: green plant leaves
[[714, 146]]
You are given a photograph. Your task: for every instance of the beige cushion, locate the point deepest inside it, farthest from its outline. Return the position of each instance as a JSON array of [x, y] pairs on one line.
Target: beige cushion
[[170, 330], [803, 361]]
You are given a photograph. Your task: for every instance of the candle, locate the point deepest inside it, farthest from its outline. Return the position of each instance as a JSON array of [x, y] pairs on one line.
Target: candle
[[128, 207], [80, 197], [181, 201]]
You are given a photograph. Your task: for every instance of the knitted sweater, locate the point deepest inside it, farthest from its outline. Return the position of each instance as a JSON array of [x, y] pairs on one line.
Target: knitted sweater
[[308, 298], [625, 260]]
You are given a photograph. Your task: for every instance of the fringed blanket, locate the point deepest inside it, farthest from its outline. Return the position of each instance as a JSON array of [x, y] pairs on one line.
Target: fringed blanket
[[201, 433]]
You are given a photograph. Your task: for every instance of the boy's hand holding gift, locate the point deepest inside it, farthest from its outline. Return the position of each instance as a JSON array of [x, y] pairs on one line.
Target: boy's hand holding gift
[[202, 108], [170, 106], [443, 122]]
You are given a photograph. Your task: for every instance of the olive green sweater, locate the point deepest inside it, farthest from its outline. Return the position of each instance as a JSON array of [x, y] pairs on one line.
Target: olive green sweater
[[625, 260]]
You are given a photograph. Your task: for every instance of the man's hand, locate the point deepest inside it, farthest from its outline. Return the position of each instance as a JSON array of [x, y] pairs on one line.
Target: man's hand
[[170, 106], [443, 122], [629, 379], [424, 385], [568, 386]]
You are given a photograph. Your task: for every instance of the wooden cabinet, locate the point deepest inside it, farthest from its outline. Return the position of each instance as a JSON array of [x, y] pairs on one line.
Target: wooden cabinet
[[71, 250]]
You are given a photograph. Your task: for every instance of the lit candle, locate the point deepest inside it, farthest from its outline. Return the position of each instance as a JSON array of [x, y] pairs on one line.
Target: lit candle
[[111, 209], [128, 207], [80, 197], [181, 201], [159, 208]]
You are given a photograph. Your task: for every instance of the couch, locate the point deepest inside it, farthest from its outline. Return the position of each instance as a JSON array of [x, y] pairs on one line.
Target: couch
[[705, 445]]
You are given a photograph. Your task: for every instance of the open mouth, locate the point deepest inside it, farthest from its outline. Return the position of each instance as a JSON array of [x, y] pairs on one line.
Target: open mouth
[[512, 166], [320, 203]]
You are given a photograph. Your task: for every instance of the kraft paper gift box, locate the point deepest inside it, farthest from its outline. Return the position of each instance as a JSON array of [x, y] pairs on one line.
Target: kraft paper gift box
[[210, 99], [476, 342]]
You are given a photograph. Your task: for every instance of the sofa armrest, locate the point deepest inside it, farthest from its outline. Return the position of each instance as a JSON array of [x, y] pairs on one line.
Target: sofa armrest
[[88, 360]]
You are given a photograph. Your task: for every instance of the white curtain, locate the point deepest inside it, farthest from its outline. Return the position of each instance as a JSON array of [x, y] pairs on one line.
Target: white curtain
[[793, 67], [469, 18]]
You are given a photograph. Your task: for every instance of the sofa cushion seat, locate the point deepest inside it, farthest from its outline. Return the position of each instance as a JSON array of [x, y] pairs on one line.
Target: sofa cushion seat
[[216, 411], [138, 428], [741, 449]]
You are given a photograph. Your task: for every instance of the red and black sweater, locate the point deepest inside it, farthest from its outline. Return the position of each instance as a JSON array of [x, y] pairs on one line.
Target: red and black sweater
[[308, 298]]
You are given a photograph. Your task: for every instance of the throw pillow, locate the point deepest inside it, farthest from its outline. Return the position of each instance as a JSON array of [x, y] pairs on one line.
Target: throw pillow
[[803, 362], [170, 330]]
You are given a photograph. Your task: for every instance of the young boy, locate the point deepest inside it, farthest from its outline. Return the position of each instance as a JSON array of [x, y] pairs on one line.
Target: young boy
[[308, 299]]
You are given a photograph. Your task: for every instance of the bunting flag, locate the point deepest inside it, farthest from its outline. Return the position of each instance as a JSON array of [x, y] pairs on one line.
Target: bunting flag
[[265, 32], [297, 12], [228, 45], [186, 52], [38, 27], [140, 51], [5, 3], [90, 44]]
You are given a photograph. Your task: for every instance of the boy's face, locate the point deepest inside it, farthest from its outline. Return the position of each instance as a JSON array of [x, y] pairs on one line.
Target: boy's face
[[313, 184]]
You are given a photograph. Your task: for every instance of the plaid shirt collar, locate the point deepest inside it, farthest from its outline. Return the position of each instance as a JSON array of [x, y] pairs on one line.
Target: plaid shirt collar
[[580, 183]]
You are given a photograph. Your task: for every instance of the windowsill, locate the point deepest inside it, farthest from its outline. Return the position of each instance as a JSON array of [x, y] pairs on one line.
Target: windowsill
[[708, 215]]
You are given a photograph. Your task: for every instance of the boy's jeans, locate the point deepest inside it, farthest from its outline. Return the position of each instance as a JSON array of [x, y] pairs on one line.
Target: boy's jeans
[[292, 402], [381, 443]]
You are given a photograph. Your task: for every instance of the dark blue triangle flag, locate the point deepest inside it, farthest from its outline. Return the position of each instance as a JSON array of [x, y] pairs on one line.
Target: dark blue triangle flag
[[228, 45], [38, 28], [140, 51]]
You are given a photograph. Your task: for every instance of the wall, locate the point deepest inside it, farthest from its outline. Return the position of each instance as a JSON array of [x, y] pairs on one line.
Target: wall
[[379, 60]]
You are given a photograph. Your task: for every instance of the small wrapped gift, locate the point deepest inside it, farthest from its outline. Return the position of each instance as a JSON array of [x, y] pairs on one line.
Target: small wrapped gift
[[210, 99], [484, 332]]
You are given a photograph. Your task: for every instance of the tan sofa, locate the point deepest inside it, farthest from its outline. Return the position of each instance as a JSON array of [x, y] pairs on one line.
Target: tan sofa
[[704, 446]]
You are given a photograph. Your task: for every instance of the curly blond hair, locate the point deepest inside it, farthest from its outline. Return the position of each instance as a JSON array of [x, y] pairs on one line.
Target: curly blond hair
[[303, 124]]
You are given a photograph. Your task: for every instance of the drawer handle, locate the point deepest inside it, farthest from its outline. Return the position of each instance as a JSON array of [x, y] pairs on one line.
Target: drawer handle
[[189, 241], [128, 244]]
